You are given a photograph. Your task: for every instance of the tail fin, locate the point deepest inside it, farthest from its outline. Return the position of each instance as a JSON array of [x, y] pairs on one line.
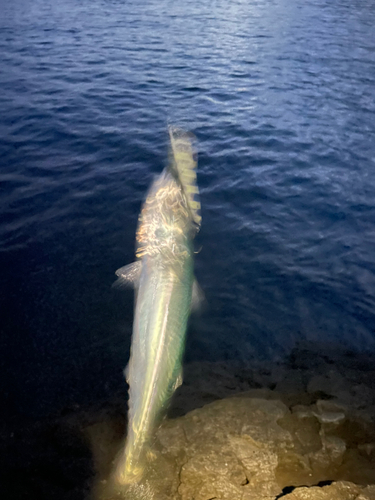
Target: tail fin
[[184, 164]]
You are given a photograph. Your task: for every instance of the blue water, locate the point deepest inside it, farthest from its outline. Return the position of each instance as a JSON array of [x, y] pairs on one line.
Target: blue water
[[281, 97]]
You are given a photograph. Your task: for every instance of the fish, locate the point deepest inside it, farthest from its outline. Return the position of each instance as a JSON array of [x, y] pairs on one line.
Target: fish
[[165, 292]]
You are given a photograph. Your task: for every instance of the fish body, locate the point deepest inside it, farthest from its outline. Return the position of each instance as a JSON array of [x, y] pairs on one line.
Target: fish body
[[163, 275]]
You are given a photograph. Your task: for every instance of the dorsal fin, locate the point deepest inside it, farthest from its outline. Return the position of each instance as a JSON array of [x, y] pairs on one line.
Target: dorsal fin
[[184, 165]]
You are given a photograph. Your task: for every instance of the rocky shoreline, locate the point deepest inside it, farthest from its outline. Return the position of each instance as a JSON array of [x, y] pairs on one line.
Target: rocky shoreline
[[299, 429]]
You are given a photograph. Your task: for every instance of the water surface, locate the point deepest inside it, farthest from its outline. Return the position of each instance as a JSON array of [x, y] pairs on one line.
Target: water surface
[[281, 98]]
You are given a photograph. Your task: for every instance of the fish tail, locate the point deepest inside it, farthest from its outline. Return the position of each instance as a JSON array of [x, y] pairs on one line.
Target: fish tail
[[133, 461], [128, 475], [184, 165]]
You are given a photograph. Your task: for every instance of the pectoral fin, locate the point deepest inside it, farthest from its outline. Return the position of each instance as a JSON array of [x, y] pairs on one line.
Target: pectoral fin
[[178, 381], [128, 275], [126, 373], [197, 297]]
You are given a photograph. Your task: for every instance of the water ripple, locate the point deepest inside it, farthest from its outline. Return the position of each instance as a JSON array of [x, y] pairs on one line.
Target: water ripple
[[281, 98]]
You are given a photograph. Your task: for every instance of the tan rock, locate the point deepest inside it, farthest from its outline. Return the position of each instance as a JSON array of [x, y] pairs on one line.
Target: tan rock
[[252, 445], [337, 491]]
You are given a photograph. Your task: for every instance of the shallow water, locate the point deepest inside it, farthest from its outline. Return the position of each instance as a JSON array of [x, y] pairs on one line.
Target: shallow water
[[281, 98]]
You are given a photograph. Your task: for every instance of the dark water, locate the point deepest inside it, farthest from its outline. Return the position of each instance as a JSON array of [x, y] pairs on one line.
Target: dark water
[[281, 96]]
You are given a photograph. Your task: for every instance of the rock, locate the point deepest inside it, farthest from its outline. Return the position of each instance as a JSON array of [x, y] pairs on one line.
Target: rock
[[368, 492], [251, 448], [261, 430], [231, 450], [336, 491]]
